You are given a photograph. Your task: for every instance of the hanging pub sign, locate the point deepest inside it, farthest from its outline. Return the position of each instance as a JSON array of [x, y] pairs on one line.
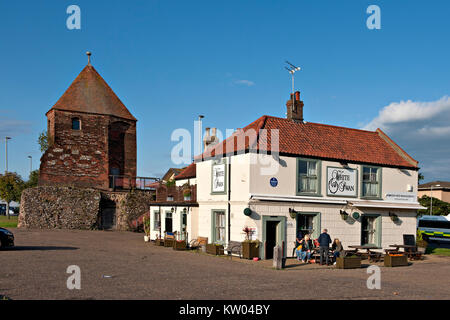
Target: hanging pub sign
[[218, 178], [341, 182]]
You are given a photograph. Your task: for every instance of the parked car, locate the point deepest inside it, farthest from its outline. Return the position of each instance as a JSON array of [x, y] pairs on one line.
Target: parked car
[[6, 238], [3, 211]]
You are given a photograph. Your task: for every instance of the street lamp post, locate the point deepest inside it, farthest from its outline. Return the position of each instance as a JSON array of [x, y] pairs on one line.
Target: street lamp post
[[200, 139], [31, 163], [6, 153], [431, 196]]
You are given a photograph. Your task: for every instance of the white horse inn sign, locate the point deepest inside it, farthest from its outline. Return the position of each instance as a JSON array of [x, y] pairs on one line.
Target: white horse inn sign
[[341, 182]]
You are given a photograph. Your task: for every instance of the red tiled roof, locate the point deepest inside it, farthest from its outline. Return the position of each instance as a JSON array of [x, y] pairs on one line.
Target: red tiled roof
[[188, 172], [316, 141], [90, 93]]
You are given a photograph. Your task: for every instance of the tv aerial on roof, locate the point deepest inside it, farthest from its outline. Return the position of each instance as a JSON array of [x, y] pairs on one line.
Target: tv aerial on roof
[[292, 70]]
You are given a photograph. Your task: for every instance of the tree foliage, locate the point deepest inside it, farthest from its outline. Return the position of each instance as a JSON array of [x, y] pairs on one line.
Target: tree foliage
[[33, 179], [11, 187], [420, 177], [44, 141], [440, 208]]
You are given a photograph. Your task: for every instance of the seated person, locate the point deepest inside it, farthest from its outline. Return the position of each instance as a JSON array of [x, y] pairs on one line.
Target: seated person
[[337, 248], [307, 246]]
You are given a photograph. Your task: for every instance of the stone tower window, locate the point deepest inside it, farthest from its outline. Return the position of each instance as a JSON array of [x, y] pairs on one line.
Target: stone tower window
[[76, 124]]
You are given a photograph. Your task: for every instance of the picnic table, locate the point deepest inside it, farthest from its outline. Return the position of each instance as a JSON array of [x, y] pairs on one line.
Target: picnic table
[[409, 250], [371, 255]]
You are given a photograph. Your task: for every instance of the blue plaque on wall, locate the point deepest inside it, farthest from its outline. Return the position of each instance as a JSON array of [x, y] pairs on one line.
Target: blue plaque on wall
[[273, 182]]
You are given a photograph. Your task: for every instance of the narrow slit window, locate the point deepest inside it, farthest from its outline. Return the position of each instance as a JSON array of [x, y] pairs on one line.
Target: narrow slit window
[[76, 124]]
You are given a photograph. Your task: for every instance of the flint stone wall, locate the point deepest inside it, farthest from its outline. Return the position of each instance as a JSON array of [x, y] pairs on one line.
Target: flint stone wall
[[49, 207], [129, 206]]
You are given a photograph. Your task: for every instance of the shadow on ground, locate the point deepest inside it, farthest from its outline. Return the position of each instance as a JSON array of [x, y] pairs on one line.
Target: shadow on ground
[[39, 248]]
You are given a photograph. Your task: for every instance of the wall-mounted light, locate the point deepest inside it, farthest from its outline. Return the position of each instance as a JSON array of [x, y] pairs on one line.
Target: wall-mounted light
[[393, 216], [248, 212], [172, 210], [355, 215], [184, 210], [344, 215], [292, 213]]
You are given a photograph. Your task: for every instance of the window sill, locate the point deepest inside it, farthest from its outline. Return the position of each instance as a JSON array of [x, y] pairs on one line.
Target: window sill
[[371, 198], [306, 194]]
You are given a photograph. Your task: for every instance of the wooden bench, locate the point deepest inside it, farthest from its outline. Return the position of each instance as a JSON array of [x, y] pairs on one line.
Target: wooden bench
[[234, 246], [197, 243]]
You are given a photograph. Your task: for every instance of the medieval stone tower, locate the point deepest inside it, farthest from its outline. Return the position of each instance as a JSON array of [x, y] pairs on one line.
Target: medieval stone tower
[[92, 136]]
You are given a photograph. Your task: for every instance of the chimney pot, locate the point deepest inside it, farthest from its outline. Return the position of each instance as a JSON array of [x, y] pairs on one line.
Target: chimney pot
[[295, 107]]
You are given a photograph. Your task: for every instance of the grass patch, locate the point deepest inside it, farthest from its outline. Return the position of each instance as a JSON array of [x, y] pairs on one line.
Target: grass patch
[[439, 251], [8, 223]]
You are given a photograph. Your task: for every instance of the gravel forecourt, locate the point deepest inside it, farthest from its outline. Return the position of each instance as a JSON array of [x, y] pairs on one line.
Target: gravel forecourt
[[36, 269]]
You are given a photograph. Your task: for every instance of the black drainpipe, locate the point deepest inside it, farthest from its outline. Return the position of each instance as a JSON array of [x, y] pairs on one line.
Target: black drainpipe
[[229, 198]]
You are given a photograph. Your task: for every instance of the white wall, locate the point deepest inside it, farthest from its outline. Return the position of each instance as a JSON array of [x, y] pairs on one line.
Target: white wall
[[253, 177], [393, 180], [240, 171], [192, 221]]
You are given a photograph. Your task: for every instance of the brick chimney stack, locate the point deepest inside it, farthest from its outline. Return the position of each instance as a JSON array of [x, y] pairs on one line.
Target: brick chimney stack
[[296, 112], [210, 139]]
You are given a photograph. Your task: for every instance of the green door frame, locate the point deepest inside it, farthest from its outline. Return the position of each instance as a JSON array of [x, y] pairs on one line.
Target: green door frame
[[378, 227], [281, 233], [181, 222], [213, 225]]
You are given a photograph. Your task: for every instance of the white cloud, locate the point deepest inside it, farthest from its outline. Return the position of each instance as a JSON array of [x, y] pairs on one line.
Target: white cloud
[[12, 127], [423, 130], [408, 111], [245, 82]]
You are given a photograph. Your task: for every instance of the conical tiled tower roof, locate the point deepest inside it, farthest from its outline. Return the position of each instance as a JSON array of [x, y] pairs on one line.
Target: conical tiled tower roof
[[89, 93]]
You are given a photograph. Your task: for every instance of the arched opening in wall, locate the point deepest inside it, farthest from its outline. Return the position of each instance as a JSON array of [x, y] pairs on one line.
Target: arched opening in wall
[[107, 217], [117, 156]]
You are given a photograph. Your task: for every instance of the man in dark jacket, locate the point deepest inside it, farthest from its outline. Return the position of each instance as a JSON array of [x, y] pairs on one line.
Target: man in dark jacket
[[324, 246]]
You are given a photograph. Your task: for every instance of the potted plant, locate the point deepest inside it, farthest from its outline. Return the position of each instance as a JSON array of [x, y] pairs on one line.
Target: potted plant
[[215, 249], [146, 223], [421, 243], [348, 262], [187, 194], [395, 260], [250, 248], [179, 245]]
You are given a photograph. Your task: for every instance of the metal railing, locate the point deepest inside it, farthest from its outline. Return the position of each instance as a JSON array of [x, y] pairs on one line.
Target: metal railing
[[118, 182]]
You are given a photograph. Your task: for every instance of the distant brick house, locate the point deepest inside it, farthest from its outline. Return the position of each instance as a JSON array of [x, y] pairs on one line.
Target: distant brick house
[[176, 207], [436, 189], [92, 136]]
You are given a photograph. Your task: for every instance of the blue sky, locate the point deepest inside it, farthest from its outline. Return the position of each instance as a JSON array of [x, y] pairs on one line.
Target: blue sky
[[170, 61]]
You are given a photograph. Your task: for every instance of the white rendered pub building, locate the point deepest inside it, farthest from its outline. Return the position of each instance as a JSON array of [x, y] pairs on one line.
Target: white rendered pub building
[[280, 176]]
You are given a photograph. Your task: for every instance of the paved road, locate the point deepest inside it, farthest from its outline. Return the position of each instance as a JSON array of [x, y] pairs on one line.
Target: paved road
[[36, 269]]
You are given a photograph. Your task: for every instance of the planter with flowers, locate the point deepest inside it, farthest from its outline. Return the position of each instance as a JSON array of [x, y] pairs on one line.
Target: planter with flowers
[[187, 194], [179, 245], [395, 260], [348, 262], [250, 248]]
